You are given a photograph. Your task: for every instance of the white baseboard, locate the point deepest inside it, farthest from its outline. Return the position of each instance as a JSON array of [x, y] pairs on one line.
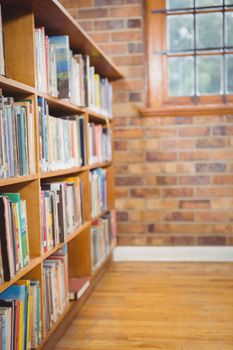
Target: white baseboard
[[208, 254]]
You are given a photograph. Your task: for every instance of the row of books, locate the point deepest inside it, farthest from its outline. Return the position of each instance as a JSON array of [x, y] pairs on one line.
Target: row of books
[[17, 142], [99, 143], [62, 140], [56, 287], [67, 76], [14, 252], [98, 181], [61, 211], [101, 239], [20, 316]]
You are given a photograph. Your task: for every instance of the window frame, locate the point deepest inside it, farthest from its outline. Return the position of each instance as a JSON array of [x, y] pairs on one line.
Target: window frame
[[158, 101]]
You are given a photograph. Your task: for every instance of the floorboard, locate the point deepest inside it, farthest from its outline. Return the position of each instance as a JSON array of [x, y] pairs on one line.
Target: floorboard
[[164, 306]]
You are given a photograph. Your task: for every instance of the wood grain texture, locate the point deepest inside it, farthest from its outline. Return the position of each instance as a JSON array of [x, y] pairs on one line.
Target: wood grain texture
[[170, 306]]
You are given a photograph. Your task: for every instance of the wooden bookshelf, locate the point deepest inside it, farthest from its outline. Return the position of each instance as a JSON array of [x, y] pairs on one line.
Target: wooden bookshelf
[[19, 19]]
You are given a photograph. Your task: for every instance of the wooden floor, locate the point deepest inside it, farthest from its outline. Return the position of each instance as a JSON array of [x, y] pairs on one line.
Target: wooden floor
[[166, 306]]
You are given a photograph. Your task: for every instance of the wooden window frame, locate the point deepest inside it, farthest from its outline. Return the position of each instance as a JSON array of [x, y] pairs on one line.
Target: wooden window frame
[[158, 101]]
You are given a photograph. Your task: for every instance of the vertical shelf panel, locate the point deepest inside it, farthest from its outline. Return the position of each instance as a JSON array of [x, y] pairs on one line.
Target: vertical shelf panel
[[18, 31], [79, 255]]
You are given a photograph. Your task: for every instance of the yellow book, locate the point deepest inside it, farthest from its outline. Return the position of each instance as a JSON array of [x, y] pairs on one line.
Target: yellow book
[[29, 306]]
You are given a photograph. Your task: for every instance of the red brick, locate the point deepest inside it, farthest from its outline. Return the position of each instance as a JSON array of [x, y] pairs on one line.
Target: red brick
[[223, 180], [122, 216], [211, 168], [121, 192], [119, 122], [129, 181], [114, 49], [223, 130], [211, 216], [120, 145], [128, 60], [177, 144], [129, 157], [128, 36], [144, 192], [177, 192], [183, 241], [199, 180], [195, 204], [135, 47], [144, 216], [194, 155], [194, 131], [166, 180], [210, 143], [109, 24], [125, 11], [73, 3], [108, 2], [178, 216], [211, 192], [93, 13], [161, 156], [211, 240], [128, 133], [134, 23], [100, 37], [131, 228], [160, 132]]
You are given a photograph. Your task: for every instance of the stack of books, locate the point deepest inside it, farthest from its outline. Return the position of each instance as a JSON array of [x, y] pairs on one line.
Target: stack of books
[[14, 252], [20, 317], [62, 140], [99, 143], [98, 179], [17, 142], [71, 77], [101, 234], [56, 286], [61, 211]]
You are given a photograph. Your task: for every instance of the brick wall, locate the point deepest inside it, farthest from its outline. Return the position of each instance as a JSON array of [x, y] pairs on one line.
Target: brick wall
[[174, 176]]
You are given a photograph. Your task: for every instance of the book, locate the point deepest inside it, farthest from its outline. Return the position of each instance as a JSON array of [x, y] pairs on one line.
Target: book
[[62, 140], [99, 143], [98, 181], [62, 53], [17, 145], [62, 211], [55, 278], [77, 287], [101, 240]]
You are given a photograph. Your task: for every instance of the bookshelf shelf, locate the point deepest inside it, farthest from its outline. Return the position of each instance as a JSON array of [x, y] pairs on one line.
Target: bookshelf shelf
[[98, 216], [57, 173], [78, 231], [61, 106], [100, 165], [32, 264], [20, 18], [14, 87], [17, 180]]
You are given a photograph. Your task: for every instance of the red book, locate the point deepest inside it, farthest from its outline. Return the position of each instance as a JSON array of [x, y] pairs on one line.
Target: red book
[[77, 287]]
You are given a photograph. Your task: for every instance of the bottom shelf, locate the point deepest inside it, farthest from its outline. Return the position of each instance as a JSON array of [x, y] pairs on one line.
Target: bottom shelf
[[74, 307]]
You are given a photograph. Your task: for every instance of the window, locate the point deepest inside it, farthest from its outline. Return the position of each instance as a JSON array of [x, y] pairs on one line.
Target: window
[[190, 52]]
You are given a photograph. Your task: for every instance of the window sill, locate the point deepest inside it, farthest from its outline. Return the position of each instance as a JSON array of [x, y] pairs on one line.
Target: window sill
[[174, 111]]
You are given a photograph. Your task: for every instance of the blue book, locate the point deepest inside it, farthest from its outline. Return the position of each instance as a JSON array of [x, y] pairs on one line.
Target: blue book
[[62, 50]]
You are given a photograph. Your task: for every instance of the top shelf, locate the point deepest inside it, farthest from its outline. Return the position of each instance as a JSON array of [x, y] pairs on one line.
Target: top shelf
[[57, 21]]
